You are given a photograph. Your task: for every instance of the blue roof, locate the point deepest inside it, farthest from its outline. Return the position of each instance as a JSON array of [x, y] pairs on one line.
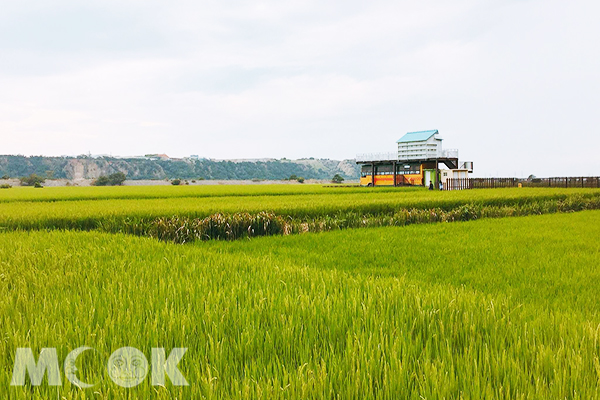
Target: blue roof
[[417, 136]]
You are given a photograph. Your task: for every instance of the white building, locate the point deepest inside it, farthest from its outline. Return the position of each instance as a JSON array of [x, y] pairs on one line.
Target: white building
[[420, 145]]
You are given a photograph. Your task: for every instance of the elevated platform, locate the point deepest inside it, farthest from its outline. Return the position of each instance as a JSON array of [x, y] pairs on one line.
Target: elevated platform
[[450, 162]]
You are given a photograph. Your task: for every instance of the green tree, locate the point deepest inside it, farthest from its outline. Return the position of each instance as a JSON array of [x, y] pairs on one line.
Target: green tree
[[337, 178], [32, 180], [101, 181], [115, 179]]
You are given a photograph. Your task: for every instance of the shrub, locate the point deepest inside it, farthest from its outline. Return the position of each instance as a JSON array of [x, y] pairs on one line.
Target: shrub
[[5, 176], [293, 178], [5, 186], [37, 185], [337, 178], [217, 227], [32, 180], [300, 179], [115, 179], [101, 181], [176, 182]]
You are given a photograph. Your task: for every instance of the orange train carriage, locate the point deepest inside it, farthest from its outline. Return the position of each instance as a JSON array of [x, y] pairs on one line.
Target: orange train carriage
[[406, 175]]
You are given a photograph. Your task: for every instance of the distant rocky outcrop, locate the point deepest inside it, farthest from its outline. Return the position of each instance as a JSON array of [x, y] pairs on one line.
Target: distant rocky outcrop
[[84, 167]]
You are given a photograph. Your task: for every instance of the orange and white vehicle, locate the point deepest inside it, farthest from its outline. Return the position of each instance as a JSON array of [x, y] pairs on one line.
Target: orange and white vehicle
[[407, 174]]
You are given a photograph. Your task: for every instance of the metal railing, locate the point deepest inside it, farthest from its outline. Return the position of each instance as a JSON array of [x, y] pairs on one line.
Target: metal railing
[[376, 157], [449, 153]]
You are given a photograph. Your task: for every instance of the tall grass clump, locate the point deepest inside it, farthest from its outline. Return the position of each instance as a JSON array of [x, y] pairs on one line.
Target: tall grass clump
[[245, 225], [214, 227], [217, 227]]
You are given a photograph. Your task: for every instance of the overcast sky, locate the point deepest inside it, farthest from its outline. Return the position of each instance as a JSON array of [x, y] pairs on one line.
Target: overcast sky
[[514, 85]]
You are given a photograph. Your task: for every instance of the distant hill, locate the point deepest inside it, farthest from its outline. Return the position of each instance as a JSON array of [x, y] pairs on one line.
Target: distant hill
[[84, 167]]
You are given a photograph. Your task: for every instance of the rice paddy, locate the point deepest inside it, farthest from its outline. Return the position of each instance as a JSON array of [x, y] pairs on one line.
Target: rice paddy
[[488, 308], [89, 214]]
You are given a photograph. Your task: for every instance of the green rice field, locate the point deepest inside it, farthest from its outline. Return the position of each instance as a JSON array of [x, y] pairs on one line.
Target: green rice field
[[493, 296], [306, 202]]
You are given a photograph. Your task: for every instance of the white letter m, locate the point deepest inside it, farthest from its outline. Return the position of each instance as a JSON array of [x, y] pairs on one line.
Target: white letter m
[[25, 363]]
